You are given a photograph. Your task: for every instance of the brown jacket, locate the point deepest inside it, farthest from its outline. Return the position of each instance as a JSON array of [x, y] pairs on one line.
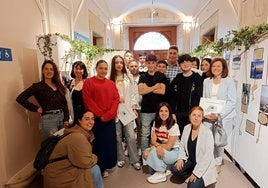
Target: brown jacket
[[76, 170]]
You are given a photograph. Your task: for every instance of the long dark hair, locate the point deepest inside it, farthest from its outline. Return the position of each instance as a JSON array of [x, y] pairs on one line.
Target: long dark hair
[[158, 121], [80, 115], [56, 77], [113, 74]]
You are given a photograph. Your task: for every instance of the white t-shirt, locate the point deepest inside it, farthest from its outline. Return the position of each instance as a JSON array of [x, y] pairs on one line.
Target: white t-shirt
[[163, 134]]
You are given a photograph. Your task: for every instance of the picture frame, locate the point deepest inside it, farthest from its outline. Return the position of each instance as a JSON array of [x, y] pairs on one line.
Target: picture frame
[[258, 53], [256, 69], [250, 127]]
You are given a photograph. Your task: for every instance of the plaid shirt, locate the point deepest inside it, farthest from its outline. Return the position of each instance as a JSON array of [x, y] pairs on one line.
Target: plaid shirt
[[172, 71]]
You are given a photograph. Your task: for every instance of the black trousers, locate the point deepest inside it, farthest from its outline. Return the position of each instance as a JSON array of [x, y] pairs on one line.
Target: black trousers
[[186, 171]]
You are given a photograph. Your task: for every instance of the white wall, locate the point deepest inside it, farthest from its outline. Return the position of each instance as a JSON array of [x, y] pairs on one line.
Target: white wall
[[19, 136], [244, 149], [250, 151]]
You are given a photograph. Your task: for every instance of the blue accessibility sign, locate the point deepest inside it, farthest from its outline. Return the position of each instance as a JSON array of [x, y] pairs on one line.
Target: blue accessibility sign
[[5, 54]]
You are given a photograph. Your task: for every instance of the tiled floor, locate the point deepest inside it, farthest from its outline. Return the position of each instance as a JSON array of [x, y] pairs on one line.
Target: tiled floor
[[127, 176]]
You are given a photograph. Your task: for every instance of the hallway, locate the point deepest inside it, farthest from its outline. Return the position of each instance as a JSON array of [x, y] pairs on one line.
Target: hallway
[[127, 176]]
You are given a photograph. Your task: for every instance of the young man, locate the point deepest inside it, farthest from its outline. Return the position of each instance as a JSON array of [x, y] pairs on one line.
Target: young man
[[161, 66], [142, 65], [152, 88], [173, 67], [133, 67], [185, 91]]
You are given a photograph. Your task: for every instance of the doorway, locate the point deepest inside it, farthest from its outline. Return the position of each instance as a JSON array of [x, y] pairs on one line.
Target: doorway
[[169, 32]]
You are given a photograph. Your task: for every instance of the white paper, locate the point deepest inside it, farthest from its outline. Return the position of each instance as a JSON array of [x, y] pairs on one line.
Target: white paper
[[211, 105], [125, 115]]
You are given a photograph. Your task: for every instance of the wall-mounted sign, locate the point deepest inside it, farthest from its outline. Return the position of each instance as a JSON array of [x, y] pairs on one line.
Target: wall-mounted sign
[[5, 54]]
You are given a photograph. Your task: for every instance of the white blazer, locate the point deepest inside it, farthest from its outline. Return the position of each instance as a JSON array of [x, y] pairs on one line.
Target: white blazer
[[205, 163], [227, 92]]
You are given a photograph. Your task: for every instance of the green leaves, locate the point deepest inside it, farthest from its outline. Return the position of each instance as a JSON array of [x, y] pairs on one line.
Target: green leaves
[[245, 37]]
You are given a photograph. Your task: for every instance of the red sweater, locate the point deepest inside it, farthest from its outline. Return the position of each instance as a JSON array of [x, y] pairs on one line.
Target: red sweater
[[101, 97]]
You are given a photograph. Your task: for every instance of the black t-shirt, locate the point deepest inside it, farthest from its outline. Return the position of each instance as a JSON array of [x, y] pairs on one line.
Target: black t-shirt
[[151, 100], [191, 146]]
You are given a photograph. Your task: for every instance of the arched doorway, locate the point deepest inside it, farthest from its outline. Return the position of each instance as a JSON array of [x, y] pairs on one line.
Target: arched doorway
[[169, 33]]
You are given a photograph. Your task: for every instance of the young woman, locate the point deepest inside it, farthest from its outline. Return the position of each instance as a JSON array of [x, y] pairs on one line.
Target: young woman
[[50, 95], [125, 85], [164, 148], [78, 167], [220, 86], [79, 73], [205, 65], [196, 159], [100, 96]]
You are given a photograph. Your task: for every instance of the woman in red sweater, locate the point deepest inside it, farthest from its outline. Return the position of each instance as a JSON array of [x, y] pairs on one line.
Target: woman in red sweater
[[100, 96]]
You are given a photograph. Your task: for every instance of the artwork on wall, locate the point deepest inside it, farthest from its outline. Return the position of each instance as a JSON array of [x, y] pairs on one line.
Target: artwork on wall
[[256, 70], [245, 97], [258, 53], [263, 111], [227, 55], [250, 127], [236, 62]]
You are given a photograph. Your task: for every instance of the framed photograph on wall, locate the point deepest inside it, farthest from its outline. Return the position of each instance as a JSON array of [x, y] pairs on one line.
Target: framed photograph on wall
[[263, 110], [258, 53], [250, 127], [245, 97], [236, 62], [256, 69]]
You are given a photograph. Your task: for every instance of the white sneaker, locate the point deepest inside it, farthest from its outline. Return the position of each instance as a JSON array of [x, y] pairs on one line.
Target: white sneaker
[[126, 152], [168, 172], [157, 177], [120, 164], [105, 174], [139, 151], [137, 166]]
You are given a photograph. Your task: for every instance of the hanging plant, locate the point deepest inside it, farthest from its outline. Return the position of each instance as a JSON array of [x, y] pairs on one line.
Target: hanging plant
[[44, 44], [245, 37]]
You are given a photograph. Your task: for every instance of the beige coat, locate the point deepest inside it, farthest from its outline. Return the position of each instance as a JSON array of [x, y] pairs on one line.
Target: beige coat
[[76, 170]]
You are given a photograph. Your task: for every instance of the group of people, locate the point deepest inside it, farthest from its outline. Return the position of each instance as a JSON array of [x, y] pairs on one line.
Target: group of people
[[157, 100]]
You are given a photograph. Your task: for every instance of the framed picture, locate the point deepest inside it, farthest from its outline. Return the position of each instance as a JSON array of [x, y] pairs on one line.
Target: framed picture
[[258, 53], [211, 105], [236, 62], [250, 127], [245, 97], [256, 69], [263, 110]]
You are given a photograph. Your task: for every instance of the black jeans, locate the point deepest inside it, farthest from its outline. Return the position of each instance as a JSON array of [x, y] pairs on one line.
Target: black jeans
[[186, 171]]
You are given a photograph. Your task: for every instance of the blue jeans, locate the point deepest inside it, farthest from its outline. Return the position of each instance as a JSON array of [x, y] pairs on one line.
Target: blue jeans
[[131, 142], [146, 123], [50, 123], [160, 165], [96, 173]]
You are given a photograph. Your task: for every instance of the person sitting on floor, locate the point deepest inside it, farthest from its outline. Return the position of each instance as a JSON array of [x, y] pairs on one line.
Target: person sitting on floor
[[196, 158], [164, 148], [79, 168]]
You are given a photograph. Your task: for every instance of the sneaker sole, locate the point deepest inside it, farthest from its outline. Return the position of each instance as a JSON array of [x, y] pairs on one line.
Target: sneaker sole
[[157, 181]]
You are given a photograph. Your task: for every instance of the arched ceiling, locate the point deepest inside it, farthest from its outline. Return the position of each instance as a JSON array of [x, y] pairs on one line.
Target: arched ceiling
[[132, 11]]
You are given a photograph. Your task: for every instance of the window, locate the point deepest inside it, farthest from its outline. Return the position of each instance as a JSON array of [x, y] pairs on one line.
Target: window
[[152, 41]]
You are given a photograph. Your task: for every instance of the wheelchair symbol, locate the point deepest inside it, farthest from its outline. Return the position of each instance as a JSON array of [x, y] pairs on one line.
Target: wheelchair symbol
[[6, 54]]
